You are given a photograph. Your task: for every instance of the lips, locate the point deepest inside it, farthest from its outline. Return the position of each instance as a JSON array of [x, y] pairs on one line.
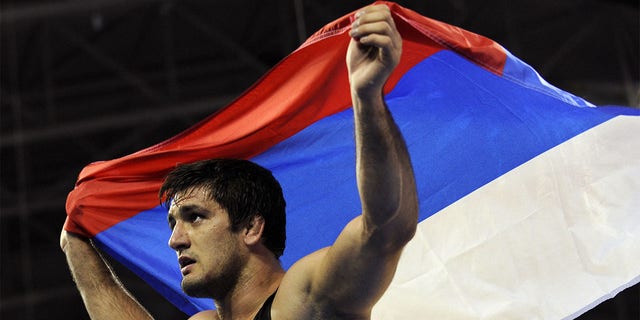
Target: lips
[[185, 263]]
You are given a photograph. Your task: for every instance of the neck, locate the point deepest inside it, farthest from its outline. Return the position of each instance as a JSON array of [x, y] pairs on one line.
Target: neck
[[258, 280]]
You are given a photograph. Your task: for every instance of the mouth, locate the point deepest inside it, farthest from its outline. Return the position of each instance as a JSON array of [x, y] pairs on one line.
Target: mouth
[[185, 264]]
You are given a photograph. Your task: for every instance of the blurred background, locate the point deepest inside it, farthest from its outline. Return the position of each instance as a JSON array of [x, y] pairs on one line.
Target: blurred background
[[83, 81]]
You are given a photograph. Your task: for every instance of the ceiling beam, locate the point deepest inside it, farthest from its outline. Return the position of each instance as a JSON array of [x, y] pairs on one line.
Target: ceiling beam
[[114, 122], [33, 12]]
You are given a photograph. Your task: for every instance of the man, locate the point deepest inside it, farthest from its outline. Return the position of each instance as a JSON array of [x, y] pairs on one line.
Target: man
[[235, 261]]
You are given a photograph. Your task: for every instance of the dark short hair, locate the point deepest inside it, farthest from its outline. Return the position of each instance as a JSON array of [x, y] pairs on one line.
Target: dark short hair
[[242, 187]]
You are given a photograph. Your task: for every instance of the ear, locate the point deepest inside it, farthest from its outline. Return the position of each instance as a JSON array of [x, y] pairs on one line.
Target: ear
[[253, 231]]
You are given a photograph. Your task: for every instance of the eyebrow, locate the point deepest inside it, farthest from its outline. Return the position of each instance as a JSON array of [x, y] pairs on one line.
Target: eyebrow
[[186, 209]]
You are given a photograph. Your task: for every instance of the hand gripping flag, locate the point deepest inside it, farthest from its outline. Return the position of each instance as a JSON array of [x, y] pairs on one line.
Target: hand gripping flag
[[529, 195]]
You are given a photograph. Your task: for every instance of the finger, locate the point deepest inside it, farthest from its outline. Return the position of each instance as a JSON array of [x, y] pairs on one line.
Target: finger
[[375, 40], [378, 34], [374, 14], [374, 8], [379, 28], [373, 22]]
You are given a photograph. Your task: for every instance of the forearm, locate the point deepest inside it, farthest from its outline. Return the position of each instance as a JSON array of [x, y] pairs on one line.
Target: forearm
[[384, 172], [102, 293]]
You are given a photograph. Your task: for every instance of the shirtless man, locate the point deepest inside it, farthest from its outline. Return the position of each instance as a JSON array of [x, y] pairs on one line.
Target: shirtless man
[[238, 266]]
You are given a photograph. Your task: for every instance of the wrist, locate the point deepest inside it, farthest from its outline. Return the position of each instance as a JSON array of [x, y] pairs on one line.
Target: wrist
[[72, 242], [368, 102]]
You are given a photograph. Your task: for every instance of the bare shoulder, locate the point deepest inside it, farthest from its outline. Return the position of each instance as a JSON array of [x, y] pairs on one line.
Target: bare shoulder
[[205, 315], [343, 281], [299, 275], [292, 300]]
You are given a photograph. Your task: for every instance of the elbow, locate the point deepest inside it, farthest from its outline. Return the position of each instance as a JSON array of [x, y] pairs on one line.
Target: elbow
[[395, 241], [408, 221], [408, 231], [407, 217], [394, 235]]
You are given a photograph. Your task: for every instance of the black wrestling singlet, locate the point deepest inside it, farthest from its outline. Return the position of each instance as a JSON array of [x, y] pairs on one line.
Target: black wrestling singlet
[[265, 311]]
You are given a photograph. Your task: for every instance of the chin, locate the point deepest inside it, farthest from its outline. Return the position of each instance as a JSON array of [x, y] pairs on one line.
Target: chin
[[194, 289], [215, 287], [195, 286]]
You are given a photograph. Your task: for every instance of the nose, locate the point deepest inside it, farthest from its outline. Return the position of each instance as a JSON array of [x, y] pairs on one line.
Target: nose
[[179, 239]]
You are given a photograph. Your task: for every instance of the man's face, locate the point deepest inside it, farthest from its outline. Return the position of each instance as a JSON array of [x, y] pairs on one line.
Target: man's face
[[209, 253]]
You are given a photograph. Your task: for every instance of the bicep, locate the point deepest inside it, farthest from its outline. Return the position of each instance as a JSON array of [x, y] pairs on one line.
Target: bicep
[[355, 271]]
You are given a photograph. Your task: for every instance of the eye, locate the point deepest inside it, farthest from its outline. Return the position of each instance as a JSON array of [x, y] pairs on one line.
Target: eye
[[194, 217], [172, 222]]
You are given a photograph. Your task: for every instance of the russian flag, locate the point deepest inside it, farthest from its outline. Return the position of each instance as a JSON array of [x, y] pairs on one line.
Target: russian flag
[[529, 195]]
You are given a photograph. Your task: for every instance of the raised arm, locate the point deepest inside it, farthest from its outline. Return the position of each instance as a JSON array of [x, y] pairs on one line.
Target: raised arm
[[348, 278], [103, 294], [384, 172]]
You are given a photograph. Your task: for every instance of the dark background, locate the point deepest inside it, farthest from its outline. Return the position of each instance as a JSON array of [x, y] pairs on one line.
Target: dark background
[[92, 80]]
